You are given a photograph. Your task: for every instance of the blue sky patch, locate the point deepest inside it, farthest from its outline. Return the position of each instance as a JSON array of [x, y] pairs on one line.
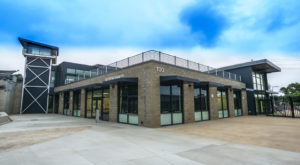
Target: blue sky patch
[[155, 24], [205, 23]]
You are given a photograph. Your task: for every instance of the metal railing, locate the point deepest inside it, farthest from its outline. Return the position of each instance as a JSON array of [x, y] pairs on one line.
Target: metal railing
[[284, 106], [173, 60], [153, 55]]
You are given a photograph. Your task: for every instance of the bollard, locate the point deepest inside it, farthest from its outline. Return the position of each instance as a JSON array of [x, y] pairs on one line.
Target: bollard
[[97, 115]]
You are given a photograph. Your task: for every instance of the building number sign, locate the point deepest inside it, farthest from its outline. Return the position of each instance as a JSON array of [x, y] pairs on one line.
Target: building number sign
[[160, 69]]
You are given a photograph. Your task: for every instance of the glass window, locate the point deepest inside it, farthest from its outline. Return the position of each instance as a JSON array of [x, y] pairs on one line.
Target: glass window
[[106, 92], [94, 74], [237, 103], [76, 103], [87, 74], [37, 50], [76, 99], [258, 81], [45, 51], [197, 99], [219, 95], [71, 71], [258, 87], [171, 103], [224, 99], [128, 103], [69, 79], [201, 104], [262, 83], [176, 98], [66, 100], [222, 103], [79, 74], [105, 105], [66, 103], [123, 100], [52, 79], [165, 92]]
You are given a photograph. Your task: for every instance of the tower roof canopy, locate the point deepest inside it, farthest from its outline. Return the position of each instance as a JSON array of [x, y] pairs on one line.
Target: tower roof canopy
[[25, 43]]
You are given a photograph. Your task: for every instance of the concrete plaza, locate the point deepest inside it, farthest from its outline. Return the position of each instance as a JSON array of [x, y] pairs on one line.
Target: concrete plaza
[[57, 139]]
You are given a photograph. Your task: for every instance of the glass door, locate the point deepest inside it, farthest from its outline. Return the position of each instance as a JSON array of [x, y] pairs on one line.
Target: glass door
[[98, 99], [97, 106]]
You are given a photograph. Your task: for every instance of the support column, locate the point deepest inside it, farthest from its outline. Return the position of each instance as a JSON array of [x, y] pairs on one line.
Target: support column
[[230, 102], [71, 94], [149, 99], [213, 103], [142, 91], [188, 102], [82, 103], [113, 102], [61, 103], [244, 102]]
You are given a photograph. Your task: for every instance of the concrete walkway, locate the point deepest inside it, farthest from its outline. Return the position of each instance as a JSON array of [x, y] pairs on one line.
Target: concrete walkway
[[113, 143]]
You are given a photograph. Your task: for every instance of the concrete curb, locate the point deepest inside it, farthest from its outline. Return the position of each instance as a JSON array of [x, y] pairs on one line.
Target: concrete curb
[[4, 118]]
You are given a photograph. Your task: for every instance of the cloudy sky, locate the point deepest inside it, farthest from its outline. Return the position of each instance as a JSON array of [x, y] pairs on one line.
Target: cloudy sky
[[215, 33]]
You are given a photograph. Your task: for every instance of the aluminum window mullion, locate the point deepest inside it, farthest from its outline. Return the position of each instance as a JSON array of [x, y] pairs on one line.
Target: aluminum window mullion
[[171, 100], [222, 103], [201, 110]]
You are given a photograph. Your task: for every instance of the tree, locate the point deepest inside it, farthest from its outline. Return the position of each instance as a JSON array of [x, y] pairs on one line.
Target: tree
[[291, 89]]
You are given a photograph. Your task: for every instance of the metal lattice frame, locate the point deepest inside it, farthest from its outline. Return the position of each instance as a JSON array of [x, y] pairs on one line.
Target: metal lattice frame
[[40, 87]]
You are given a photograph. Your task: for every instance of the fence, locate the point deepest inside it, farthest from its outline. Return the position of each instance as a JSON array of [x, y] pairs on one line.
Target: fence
[[173, 60], [160, 57], [285, 106]]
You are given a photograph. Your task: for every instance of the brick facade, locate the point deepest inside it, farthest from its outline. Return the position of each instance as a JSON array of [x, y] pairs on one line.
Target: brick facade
[[149, 92]]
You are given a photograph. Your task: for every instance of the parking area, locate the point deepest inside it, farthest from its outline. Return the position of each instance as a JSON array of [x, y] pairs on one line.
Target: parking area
[[57, 139], [275, 132]]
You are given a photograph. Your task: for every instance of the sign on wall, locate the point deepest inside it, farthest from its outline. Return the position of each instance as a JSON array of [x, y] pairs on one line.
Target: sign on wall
[[160, 69]]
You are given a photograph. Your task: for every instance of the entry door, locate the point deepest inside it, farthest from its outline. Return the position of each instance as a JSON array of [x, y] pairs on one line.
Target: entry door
[[97, 105]]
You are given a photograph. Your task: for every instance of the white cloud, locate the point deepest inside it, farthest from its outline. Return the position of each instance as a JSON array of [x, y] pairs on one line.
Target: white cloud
[[11, 58]]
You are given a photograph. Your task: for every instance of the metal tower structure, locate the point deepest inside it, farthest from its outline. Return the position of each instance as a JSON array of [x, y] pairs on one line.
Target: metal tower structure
[[38, 60]]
